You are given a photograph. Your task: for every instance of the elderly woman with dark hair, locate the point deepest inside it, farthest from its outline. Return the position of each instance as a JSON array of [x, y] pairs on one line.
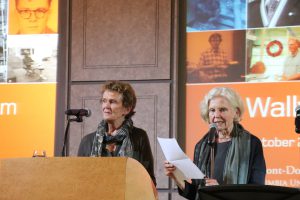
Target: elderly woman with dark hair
[[237, 154], [116, 136]]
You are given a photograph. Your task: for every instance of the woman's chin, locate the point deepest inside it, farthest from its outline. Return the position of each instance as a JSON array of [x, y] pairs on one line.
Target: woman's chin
[[107, 119]]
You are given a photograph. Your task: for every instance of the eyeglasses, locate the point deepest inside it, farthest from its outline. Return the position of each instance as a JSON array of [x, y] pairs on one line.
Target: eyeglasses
[[39, 13]]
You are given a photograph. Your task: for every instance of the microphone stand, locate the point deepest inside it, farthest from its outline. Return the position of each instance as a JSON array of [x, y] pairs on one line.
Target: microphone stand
[[211, 144], [212, 159], [65, 150]]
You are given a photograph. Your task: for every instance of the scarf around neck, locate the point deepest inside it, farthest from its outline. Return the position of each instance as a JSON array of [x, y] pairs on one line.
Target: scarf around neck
[[237, 160], [122, 138]]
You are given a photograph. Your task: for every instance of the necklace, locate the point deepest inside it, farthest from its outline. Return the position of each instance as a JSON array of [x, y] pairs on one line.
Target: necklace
[[224, 136], [221, 140]]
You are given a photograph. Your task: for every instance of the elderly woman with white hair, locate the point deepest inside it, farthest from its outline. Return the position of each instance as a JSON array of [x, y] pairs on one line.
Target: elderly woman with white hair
[[237, 155]]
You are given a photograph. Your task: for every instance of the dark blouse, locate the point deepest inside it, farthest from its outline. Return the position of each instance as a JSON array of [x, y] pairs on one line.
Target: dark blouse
[[256, 172], [221, 150]]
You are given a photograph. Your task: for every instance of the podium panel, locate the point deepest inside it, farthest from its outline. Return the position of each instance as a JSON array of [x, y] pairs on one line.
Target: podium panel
[[248, 192], [74, 178]]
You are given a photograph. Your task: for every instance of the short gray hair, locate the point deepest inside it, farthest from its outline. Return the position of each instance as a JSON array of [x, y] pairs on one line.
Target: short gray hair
[[127, 92], [233, 97]]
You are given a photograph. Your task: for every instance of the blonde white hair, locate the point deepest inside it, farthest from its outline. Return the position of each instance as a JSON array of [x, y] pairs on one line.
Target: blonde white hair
[[233, 97]]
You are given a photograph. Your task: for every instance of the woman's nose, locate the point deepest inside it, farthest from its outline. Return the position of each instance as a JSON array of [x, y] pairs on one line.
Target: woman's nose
[[217, 113], [105, 104]]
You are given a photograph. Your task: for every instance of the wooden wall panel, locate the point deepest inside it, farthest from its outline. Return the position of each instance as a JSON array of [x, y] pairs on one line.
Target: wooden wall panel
[[130, 40], [152, 115], [110, 38]]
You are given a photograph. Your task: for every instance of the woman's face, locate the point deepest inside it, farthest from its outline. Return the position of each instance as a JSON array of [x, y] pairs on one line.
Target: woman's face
[[222, 113], [112, 106]]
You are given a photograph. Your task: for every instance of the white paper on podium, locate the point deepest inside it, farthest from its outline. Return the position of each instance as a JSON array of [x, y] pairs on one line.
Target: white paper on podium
[[185, 168]]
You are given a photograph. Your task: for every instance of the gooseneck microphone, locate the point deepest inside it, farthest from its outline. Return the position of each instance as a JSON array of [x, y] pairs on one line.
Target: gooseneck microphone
[[212, 134], [297, 119], [79, 112], [78, 115]]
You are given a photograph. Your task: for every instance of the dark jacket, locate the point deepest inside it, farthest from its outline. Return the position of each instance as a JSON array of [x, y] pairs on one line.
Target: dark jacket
[[141, 148], [256, 172]]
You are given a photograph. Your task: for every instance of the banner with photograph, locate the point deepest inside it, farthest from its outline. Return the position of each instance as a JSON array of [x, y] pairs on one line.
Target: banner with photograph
[[28, 71], [252, 47]]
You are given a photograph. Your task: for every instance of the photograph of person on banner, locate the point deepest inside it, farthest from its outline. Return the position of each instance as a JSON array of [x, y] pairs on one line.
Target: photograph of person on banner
[[273, 54], [33, 17], [216, 57]]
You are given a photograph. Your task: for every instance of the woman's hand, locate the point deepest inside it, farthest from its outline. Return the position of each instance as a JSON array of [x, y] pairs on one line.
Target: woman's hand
[[169, 169], [210, 182]]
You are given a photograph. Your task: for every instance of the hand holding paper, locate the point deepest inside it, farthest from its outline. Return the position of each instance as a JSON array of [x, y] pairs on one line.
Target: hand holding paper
[[185, 168]]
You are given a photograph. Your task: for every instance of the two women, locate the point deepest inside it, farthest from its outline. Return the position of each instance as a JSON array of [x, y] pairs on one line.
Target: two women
[[237, 154]]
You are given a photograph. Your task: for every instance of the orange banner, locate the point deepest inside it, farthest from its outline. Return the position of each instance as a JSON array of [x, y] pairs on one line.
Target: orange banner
[[27, 117], [269, 114]]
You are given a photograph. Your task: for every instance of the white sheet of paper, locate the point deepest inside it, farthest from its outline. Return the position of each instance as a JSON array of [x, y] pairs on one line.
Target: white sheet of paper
[[174, 154]]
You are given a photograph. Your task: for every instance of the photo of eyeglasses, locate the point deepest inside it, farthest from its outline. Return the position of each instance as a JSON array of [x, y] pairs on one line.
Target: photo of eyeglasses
[[38, 13]]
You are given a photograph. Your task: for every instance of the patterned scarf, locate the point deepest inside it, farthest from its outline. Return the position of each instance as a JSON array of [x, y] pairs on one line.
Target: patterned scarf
[[121, 137], [237, 159]]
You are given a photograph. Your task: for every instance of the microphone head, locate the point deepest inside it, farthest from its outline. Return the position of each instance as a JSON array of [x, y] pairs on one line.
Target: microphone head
[[297, 109], [213, 125], [212, 134], [89, 113], [297, 119], [79, 112]]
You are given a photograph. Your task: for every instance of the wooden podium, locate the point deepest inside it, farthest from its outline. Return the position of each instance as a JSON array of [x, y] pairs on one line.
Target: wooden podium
[[74, 178]]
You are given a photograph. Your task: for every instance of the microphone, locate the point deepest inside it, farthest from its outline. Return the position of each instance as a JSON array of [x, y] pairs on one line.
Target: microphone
[[211, 142], [297, 119], [79, 112], [212, 134]]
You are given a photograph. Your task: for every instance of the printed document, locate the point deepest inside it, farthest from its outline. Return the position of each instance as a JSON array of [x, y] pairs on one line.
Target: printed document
[[185, 168]]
